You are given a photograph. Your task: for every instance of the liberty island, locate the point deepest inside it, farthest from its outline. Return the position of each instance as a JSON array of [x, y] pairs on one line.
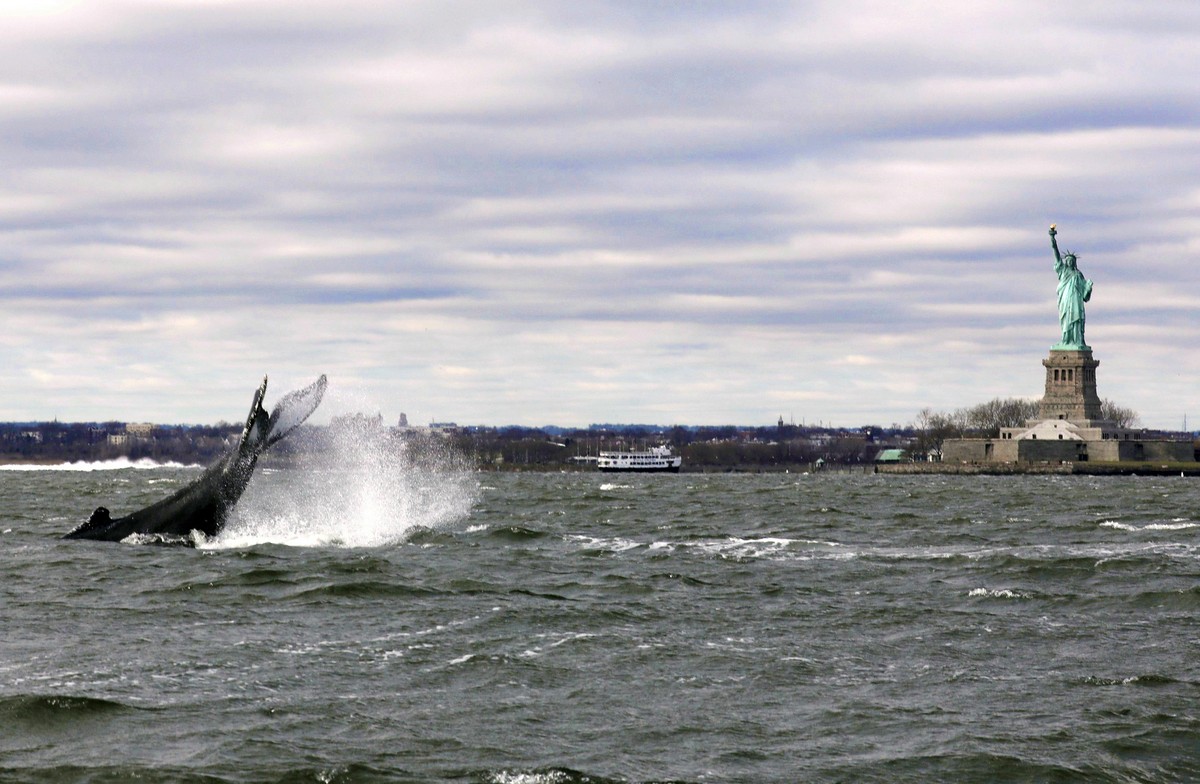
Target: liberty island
[[1069, 427]]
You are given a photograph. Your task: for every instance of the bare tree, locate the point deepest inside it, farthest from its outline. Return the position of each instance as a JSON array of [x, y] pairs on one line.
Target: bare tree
[[1118, 415], [986, 419], [933, 428]]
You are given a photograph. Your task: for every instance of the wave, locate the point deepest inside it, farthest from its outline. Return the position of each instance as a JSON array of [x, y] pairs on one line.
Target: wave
[[1150, 679], [1174, 525], [1000, 593], [733, 547], [1024, 558], [966, 766], [515, 533], [362, 589], [355, 773], [47, 709], [545, 776], [120, 464]]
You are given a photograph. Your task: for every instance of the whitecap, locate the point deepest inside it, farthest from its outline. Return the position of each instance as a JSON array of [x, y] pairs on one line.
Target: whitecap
[[120, 464], [1002, 593], [514, 777], [1175, 525], [604, 543]]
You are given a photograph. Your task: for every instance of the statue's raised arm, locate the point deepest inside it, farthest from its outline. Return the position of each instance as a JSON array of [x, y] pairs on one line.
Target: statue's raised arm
[[1054, 244]]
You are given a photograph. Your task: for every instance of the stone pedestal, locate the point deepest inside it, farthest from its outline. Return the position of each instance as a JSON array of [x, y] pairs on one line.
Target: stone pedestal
[[1070, 429], [1071, 386]]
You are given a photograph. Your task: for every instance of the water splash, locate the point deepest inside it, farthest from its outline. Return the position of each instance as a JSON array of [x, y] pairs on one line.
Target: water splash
[[354, 486]]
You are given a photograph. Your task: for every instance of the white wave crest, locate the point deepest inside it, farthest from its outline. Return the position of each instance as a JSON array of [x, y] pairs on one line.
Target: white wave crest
[[517, 777], [1175, 525], [1002, 593], [616, 544], [120, 464], [778, 548]]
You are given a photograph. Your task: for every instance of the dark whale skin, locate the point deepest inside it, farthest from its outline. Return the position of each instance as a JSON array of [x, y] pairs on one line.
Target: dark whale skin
[[204, 504]]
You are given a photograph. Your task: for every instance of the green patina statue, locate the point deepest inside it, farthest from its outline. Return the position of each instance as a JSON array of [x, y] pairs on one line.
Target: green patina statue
[[1073, 291]]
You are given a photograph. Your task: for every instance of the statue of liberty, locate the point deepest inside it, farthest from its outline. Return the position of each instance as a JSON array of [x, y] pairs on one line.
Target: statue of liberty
[[1073, 291]]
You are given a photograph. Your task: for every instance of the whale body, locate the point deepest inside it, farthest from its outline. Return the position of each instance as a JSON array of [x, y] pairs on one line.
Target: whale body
[[204, 505]]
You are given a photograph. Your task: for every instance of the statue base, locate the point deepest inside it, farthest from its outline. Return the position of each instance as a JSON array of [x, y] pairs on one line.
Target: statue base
[[1070, 429], [1071, 386]]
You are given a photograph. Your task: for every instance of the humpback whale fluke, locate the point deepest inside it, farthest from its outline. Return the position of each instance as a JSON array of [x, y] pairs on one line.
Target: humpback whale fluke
[[205, 503]]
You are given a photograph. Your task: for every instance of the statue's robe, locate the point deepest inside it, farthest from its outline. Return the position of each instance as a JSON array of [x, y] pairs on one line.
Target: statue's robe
[[1073, 291]]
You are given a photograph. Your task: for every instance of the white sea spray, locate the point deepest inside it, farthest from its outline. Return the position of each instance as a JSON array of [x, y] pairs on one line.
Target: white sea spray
[[359, 489]]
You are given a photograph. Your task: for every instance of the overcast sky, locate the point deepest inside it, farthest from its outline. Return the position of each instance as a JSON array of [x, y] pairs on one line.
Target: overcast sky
[[573, 212]]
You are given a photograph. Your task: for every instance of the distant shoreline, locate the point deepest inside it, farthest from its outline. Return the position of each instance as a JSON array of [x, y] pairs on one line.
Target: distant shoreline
[[33, 461], [898, 469]]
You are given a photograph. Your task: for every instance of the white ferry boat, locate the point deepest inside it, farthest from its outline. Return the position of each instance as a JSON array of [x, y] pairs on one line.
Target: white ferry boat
[[656, 458]]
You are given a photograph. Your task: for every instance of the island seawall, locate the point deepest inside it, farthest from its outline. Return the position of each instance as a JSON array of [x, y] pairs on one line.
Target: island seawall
[[1127, 468]]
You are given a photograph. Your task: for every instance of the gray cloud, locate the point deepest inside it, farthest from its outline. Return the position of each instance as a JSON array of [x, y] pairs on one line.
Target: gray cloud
[[534, 212]]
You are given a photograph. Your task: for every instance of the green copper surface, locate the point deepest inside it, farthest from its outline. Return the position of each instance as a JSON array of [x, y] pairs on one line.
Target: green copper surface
[[1073, 291]]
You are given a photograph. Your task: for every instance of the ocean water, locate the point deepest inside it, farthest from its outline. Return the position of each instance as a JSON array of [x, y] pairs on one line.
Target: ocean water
[[396, 624]]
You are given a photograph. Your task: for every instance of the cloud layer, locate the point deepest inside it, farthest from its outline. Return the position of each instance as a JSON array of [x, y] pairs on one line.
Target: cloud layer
[[541, 212]]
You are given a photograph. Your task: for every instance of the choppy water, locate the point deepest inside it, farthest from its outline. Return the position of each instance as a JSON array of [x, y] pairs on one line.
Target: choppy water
[[450, 627]]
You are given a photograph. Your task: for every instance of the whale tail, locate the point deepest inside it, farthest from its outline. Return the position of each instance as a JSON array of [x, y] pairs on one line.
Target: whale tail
[[294, 408], [263, 430]]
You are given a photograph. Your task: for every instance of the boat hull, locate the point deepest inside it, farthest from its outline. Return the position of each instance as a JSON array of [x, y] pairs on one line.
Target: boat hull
[[668, 469]]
